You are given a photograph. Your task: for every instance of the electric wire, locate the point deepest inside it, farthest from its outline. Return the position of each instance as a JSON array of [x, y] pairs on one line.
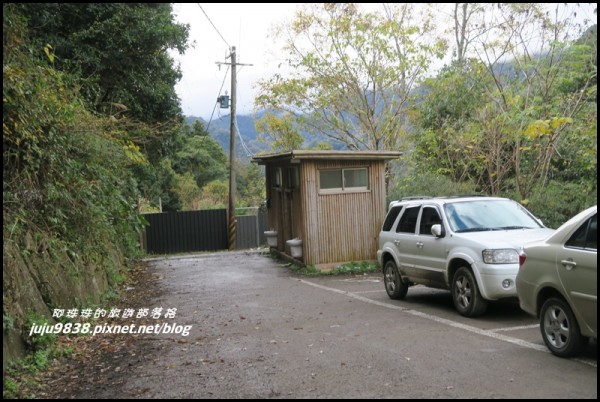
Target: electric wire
[[242, 142], [213, 25]]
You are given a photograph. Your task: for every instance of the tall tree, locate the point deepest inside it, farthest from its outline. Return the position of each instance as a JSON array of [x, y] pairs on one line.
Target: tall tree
[[201, 156], [120, 51], [67, 179], [527, 98], [352, 72], [279, 131], [117, 55]]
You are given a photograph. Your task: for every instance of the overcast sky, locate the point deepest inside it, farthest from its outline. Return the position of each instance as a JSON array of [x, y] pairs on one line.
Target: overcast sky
[[244, 26], [215, 27]]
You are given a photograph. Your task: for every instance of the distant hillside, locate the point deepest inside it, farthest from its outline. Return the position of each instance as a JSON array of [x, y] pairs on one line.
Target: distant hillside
[[248, 145]]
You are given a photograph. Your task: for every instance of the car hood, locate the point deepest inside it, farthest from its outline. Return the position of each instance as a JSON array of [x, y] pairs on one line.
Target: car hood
[[509, 238]]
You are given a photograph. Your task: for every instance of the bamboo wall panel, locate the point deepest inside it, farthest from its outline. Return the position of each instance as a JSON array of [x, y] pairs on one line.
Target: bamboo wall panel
[[344, 226]]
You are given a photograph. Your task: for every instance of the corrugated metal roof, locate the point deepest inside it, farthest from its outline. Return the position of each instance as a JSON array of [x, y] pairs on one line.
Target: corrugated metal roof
[[326, 154]]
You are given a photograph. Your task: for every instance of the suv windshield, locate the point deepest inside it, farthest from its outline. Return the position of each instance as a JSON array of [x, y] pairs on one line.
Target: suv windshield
[[475, 216]]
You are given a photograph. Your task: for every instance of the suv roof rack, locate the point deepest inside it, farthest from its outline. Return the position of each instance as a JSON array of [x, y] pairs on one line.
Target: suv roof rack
[[465, 195], [416, 197]]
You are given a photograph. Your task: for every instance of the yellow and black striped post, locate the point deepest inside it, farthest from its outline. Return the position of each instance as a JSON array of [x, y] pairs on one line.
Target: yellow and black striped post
[[232, 230]]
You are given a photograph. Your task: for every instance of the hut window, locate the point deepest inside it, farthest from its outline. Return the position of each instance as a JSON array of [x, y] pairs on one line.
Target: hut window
[[356, 179], [336, 180]]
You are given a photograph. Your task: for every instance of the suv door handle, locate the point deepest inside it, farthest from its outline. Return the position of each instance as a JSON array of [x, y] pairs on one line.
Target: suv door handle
[[420, 244], [397, 242]]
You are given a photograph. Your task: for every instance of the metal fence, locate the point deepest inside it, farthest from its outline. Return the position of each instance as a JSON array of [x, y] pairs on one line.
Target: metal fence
[[189, 231]]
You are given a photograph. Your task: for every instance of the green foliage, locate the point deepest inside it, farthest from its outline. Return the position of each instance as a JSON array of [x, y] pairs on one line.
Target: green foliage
[[557, 202], [354, 268], [117, 55], [68, 187], [38, 342], [201, 157], [187, 191], [147, 207], [308, 270], [10, 388], [351, 268], [157, 182], [61, 171], [512, 127], [464, 136], [20, 379], [352, 74], [39, 360], [8, 323], [250, 186], [427, 184], [214, 195], [119, 51], [280, 132]]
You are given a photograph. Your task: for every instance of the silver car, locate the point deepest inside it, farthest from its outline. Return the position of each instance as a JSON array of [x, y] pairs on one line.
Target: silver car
[[467, 244], [557, 282]]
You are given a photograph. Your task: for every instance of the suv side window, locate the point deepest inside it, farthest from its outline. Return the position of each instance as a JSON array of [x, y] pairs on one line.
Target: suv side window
[[391, 218], [429, 217], [408, 220]]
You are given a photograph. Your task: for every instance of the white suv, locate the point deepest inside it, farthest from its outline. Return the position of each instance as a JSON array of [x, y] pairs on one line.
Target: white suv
[[470, 245]]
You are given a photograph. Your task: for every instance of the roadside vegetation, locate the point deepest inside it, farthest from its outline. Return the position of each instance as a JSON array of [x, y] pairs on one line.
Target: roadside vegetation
[[351, 268], [20, 378]]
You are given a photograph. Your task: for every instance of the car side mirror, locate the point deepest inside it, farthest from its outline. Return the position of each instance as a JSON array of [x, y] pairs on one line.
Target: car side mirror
[[438, 230]]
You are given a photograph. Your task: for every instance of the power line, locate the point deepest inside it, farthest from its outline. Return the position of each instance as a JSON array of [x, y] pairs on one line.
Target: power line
[[237, 128], [213, 25]]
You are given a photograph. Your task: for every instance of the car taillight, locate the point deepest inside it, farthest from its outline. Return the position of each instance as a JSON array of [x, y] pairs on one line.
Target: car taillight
[[522, 258]]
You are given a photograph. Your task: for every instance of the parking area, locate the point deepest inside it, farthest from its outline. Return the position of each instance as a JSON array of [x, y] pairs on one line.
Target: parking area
[[503, 321], [256, 330]]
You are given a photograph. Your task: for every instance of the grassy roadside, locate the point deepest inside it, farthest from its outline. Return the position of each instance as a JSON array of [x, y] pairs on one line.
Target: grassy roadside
[[51, 355], [24, 379], [352, 268]]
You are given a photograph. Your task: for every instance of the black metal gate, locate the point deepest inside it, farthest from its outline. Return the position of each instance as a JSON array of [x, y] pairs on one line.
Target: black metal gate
[[189, 231]]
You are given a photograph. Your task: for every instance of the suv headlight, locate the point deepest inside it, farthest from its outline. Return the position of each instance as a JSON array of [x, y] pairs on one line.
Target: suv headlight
[[501, 256]]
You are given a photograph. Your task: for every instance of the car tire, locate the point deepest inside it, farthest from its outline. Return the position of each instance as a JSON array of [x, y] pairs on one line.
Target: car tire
[[560, 329], [395, 287], [465, 294]]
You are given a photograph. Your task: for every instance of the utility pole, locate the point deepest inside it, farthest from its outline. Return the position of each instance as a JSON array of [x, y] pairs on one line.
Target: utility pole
[[232, 222], [231, 238]]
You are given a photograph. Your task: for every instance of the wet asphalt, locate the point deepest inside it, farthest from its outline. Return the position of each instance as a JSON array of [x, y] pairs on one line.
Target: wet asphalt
[[257, 330]]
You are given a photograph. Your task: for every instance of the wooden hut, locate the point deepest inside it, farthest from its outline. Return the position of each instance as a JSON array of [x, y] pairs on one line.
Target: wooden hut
[[332, 202]]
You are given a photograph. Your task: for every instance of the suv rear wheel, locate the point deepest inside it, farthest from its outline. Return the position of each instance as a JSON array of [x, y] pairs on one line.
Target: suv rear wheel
[[465, 294], [395, 287]]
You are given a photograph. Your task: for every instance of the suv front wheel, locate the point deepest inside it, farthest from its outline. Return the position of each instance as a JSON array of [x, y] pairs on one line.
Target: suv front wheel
[[465, 294], [395, 287]]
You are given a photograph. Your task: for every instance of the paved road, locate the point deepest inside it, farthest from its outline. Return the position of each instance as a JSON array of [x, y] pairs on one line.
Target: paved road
[[258, 331]]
